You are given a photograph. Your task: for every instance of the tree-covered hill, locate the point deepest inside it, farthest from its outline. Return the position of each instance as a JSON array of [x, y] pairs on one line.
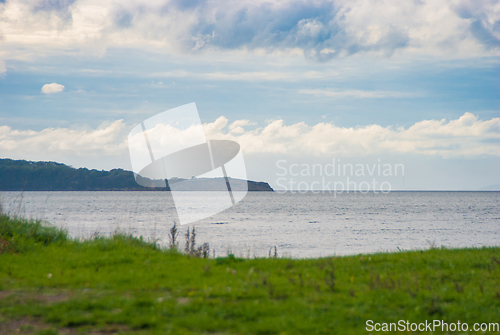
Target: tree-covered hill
[[21, 175], [17, 175]]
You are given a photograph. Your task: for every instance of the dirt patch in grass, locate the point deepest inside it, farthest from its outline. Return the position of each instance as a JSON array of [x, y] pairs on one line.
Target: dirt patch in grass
[[183, 301], [27, 325], [23, 297], [4, 246]]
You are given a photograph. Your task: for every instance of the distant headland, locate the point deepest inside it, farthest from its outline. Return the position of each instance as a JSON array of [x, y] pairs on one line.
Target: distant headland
[[22, 175]]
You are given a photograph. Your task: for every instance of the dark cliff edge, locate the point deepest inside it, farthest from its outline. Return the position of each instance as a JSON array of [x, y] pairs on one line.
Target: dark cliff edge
[[22, 175]]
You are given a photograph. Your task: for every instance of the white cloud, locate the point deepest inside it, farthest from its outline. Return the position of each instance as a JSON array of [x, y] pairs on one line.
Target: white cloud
[[52, 88], [467, 136], [319, 29], [237, 126], [359, 94], [3, 68], [105, 140], [309, 27], [249, 76]]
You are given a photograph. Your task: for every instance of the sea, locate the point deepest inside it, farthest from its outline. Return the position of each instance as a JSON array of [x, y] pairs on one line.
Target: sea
[[289, 224]]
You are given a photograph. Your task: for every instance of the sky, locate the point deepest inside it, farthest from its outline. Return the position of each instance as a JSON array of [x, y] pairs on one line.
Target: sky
[[362, 85]]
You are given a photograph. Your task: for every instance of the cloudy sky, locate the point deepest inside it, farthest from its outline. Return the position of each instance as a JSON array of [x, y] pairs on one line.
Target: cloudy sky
[[297, 82]]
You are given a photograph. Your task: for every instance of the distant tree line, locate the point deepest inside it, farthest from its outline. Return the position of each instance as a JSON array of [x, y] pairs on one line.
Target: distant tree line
[[22, 175]]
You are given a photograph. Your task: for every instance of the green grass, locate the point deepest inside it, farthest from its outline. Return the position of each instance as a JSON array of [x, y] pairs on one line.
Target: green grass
[[50, 283]]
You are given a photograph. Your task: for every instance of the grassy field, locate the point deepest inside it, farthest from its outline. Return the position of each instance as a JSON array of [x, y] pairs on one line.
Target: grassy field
[[51, 284]]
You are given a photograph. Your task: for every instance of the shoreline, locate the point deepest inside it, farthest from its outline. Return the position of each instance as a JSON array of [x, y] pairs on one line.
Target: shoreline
[[123, 284]]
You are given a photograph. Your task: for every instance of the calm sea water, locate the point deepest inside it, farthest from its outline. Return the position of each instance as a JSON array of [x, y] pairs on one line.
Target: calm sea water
[[299, 225]]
